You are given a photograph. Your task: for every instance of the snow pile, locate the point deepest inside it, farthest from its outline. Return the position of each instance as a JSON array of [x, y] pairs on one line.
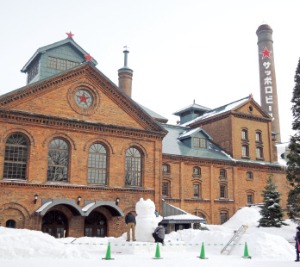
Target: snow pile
[[17, 243], [263, 243]]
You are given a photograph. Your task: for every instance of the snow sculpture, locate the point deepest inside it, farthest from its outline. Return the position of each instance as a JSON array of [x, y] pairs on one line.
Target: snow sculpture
[[146, 220]]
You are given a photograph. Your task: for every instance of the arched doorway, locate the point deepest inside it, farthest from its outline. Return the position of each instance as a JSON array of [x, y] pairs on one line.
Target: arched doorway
[[10, 224], [95, 225], [55, 223]]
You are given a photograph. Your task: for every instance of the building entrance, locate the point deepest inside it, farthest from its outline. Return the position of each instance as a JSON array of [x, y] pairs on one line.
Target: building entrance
[[95, 225], [55, 223]]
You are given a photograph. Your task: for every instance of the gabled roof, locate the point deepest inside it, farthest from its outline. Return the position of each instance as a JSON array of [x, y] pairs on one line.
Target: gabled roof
[[118, 95], [54, 45], [172, 145], [153, 114], [194, 106], [225, 108], [194, 132]]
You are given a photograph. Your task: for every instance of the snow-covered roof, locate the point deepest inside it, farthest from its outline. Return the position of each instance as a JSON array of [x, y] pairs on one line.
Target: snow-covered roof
[[219, 110]]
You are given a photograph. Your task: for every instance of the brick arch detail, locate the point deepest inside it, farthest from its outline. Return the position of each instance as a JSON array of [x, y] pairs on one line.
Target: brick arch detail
[[136, 145], [98, 140], [60, 135], [63, 209], [207, 217], [19, 130], [20, 209], [16, 206]]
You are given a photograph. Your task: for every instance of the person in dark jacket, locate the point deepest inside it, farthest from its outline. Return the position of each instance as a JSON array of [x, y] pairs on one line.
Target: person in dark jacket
[[130, 222], [297, 239], [159, 234]]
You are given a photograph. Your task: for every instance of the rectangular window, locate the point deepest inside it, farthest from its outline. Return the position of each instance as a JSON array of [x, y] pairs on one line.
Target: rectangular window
[[244, 135], [223, 193], [199, 142], [61, 64], [196, 190], [166, 168], [245, 151], [258, 137], [259, 153], [223, 217], [165, 189], [250, 199]]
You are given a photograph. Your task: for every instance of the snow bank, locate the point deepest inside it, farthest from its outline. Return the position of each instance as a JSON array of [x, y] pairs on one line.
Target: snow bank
[[264, 243]]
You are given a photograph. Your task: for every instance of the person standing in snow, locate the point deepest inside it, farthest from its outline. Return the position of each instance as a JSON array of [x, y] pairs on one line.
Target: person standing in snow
[[297, 239], [130, 222], [159, 234]]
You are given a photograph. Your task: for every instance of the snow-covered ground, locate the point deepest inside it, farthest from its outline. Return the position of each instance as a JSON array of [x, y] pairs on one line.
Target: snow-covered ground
[[268, 247]]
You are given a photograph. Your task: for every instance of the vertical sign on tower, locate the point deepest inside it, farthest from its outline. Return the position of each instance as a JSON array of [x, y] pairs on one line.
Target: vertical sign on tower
[[268, 87]]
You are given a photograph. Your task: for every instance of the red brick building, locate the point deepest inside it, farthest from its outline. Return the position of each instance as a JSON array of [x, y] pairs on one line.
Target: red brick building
[[77, 153]]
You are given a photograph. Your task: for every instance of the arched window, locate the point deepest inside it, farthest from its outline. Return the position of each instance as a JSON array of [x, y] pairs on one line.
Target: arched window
[[249, 175], [133, 167], [197, 171], [16, 157], [97, 165], [58, 160], [10, 224]]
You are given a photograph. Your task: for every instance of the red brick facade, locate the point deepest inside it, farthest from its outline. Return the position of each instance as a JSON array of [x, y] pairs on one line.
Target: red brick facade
[[46, 110], [42, 112]]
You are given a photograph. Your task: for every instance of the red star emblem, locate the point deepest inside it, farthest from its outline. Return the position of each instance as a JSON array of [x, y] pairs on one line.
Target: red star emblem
[[88, 57], [70, 34], [83, 98], [266, 53]]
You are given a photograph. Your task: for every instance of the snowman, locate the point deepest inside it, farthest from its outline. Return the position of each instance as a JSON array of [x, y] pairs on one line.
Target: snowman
[[146, 220]]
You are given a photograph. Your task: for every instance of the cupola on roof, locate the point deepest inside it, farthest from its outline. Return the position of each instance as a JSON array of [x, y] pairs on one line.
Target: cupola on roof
[[55, 58]]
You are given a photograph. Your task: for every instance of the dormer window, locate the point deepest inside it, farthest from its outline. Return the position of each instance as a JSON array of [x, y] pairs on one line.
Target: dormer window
[[199, 142], [61, 64], [33, 71]]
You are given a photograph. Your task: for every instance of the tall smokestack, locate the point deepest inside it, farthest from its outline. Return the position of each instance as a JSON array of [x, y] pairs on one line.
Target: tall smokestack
[[125, 75], [268, 87]]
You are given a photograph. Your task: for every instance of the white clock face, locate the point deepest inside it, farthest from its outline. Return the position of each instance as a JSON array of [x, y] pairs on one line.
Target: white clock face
[[83, 98]]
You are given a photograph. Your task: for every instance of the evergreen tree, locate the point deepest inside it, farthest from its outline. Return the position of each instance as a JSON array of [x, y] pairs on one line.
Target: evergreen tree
[[271, 211], [293, 163]]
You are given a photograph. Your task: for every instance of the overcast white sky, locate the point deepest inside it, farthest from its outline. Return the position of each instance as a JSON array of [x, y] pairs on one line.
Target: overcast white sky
[[180, 50]]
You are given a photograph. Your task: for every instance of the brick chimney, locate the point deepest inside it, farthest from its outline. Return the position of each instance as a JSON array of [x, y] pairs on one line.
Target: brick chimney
[[125, 75]]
